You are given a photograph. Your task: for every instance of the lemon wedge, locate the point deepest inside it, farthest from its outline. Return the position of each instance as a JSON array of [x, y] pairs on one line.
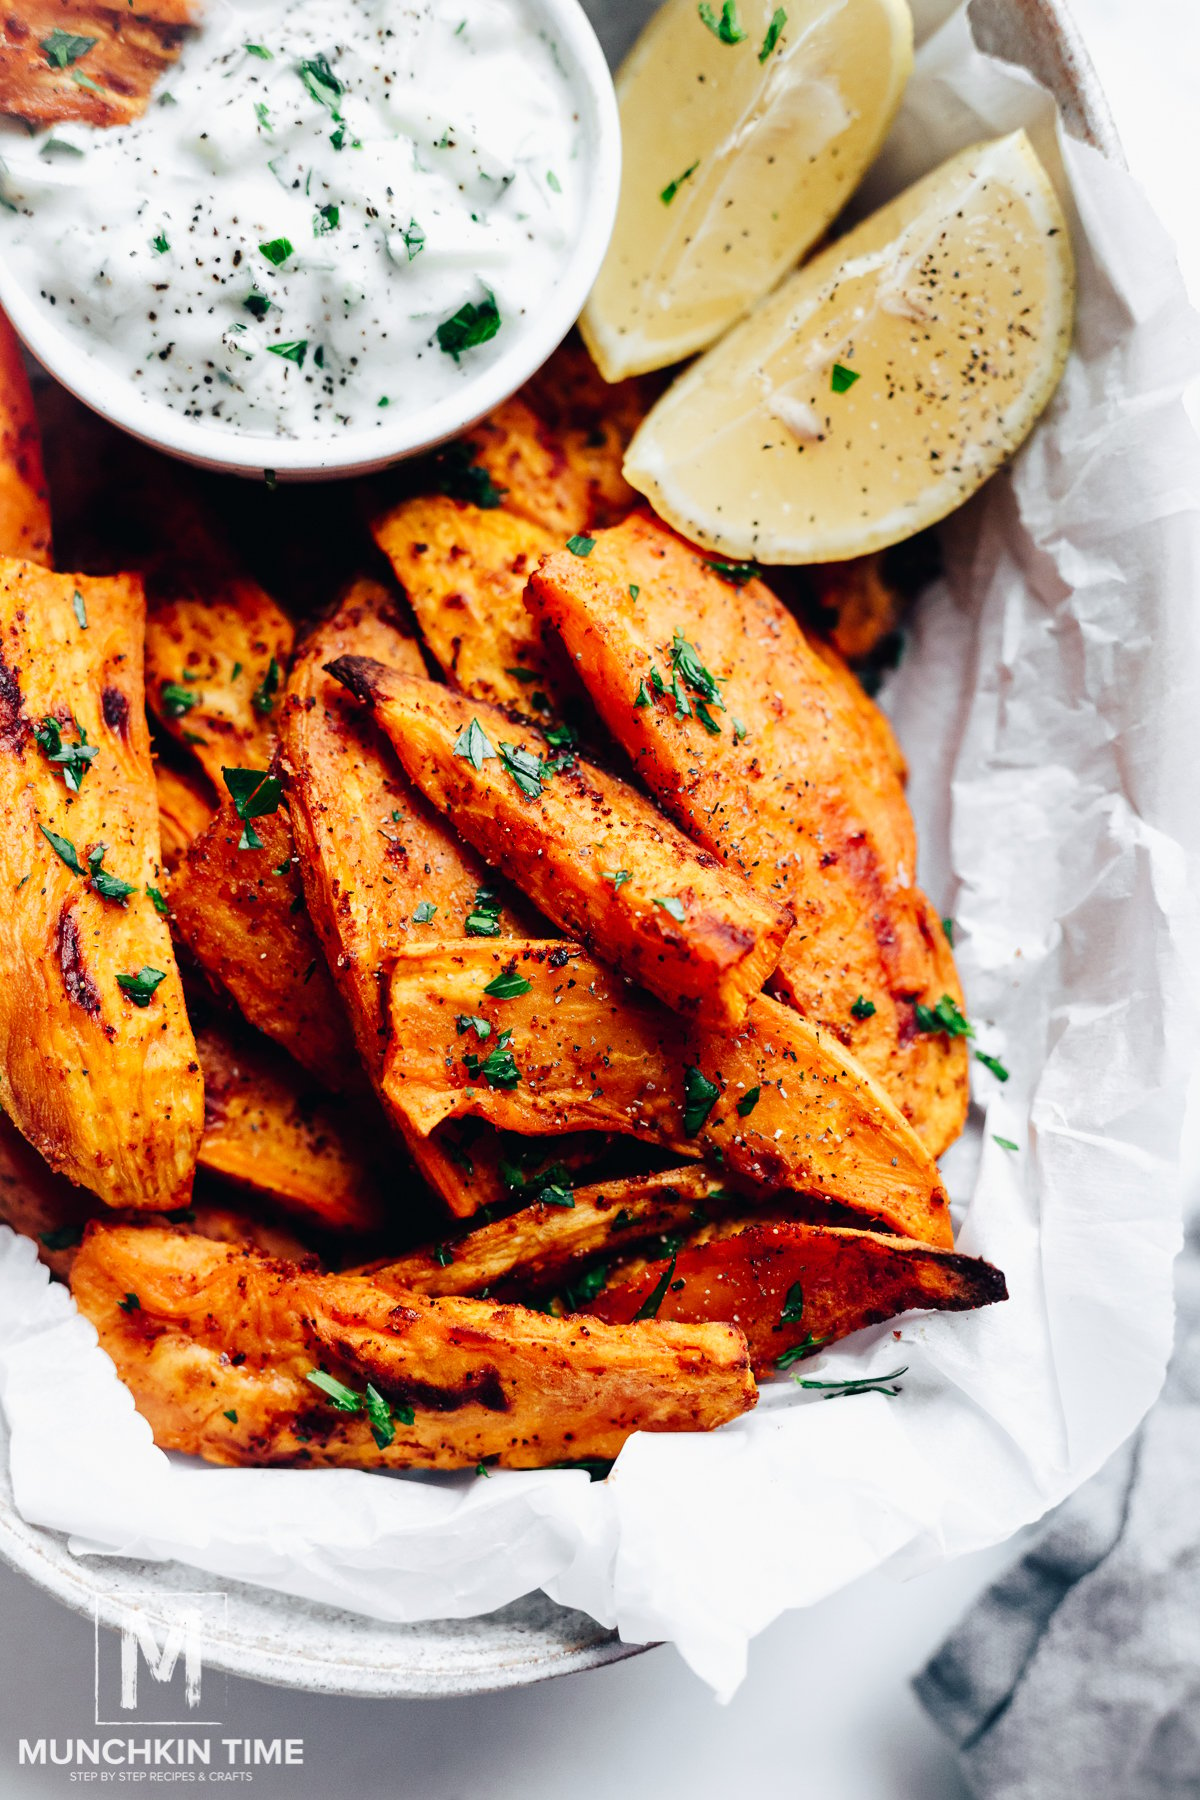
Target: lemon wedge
[[884, 382], [746, 127]]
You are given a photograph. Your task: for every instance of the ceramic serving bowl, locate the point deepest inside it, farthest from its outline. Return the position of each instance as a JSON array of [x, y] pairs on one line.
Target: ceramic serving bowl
[[318, 457], [272, 1637]]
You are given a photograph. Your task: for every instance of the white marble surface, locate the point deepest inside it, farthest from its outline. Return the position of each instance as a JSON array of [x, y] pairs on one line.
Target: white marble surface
[[826, 1709]]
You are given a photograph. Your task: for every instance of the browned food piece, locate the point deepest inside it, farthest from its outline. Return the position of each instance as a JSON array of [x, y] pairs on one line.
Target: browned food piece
[[217, 1345], [380, 867], [866, 605], [24, 502], [97, 1063], [241, 914], [791, 792], [48, 1208], [185, 807], [874, 722], [217, 647], [464, 569], [107, 82], [266, 1127], [537, 1246], [826, 1280], [581, 1050], [586, 848]]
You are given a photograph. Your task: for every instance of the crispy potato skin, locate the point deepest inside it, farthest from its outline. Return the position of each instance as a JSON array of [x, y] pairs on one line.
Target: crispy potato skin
[[241, 914], [849, 1279], [485, 1382], [593, 1054], [371, 850], [537, 1245], [558, 847], [185, 808], [266, 1127], [24, 499], [805, 805], [132, 50], [464, 570], [108, 1091]]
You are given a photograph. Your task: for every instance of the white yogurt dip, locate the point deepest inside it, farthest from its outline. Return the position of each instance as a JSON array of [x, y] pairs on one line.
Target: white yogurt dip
[[331, 209]]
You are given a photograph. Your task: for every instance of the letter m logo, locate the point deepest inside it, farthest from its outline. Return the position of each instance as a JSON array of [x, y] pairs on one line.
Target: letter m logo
[[152, 1672]]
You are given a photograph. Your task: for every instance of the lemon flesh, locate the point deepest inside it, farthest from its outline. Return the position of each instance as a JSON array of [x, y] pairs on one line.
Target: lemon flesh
[[733, 167], [883, 383]]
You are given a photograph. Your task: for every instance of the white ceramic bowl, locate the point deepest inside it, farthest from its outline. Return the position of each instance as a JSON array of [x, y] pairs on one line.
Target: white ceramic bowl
[[67, 357]]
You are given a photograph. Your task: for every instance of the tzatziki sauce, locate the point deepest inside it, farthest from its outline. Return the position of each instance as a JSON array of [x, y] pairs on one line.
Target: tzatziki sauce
[[330, 209]]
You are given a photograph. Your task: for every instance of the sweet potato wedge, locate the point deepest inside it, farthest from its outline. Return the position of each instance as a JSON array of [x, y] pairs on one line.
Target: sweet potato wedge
[[380, 867], [24, 501], [54, 1213], [241, 913], [126, 52], [587, 849], [218, 1346], [865, 605], [537, 1246], [464, 569], [578, 1049], [785, 1282], [790, 791], [267, 1128], [185, 808], [98, 1066]]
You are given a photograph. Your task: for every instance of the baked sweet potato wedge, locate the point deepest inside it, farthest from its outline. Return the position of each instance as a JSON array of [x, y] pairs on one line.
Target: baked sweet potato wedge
[[464, 569], [98, 1066], [863, 603], [380, 867], [185, 808], [241, 913], [266, 1127], [788, 1283], [587, 849], [63, 59], [218, 1347], [789, 790], [24, 499], [561, 1043]]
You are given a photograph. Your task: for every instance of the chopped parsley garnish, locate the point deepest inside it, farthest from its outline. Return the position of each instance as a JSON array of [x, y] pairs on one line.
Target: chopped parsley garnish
[[483, 920], [498, 1069], [259, 50], [944, 1017], [159, 901], [62, 48], [176, 700], [793, 1306], [552, 182], [634, 590], [863, 1384], [552, 1193], [863, 1009], [726, 27], [473, 324], [993, 1063], [1004, 1143], [322, 83], [670, 905], [585, 1288], [277, 250], [737, 574], [79, 607], [642, 697], [258, 304], [442, 1255], [160, 243], [454, 471], [470, 1022], [263, 697], [64, 848], [748, 1102], [673, 187], [379, 1417], [688, 668], [254, 794], [109, 887], [474, 745], [580, 545], [263, 116], [740, 731], [295, 350], [508, 986], [706, 719], [700, 1095], [140, 987], [526, 769], [618, 877], [414, 239], [73, 759], [231, 1415], [843, 378], [774, 32], [344, 1398], [480, 1468], [130, 1304], [64, 1237], [423, 912], [948, 929], [658, 1293], [325, 219]]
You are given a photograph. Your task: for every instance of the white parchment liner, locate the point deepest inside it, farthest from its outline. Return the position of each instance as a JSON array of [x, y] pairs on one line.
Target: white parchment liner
[[1050, 706]]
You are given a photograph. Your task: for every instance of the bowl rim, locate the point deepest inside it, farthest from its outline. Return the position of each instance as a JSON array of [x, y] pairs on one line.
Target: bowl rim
[[71, 361]]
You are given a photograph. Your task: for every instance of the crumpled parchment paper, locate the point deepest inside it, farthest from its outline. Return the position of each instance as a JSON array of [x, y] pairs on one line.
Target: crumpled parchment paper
[[1050, 705]]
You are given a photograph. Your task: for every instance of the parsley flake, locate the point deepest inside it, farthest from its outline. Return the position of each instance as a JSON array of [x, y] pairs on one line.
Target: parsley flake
[[160, 243], [62, 48], [673, 187], [700, 1095], [295, 350], [64, 848], [526, 769], [254, 794], [325, 219], [423, 912], [748, 1102], [580, 545], [993, 1063], [737, 574], [277, 250], [508, 986], [263, 697], [79, 607], [73, 759], [130, 1304], [176, 700], [726, 28], [475, 323], [159, 901], [483, 920], [944, 1017], [670, 905], [658, 1293], [140, 987], [474, 745], [109, 887], [774, 33], [863, 1009], [471, 1022], [618, 877], [342, 1397], [1004, 1143], [322, 83], [842, 378]]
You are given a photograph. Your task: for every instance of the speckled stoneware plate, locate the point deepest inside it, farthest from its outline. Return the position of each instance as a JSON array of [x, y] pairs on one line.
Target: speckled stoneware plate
[[297, 1643]]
